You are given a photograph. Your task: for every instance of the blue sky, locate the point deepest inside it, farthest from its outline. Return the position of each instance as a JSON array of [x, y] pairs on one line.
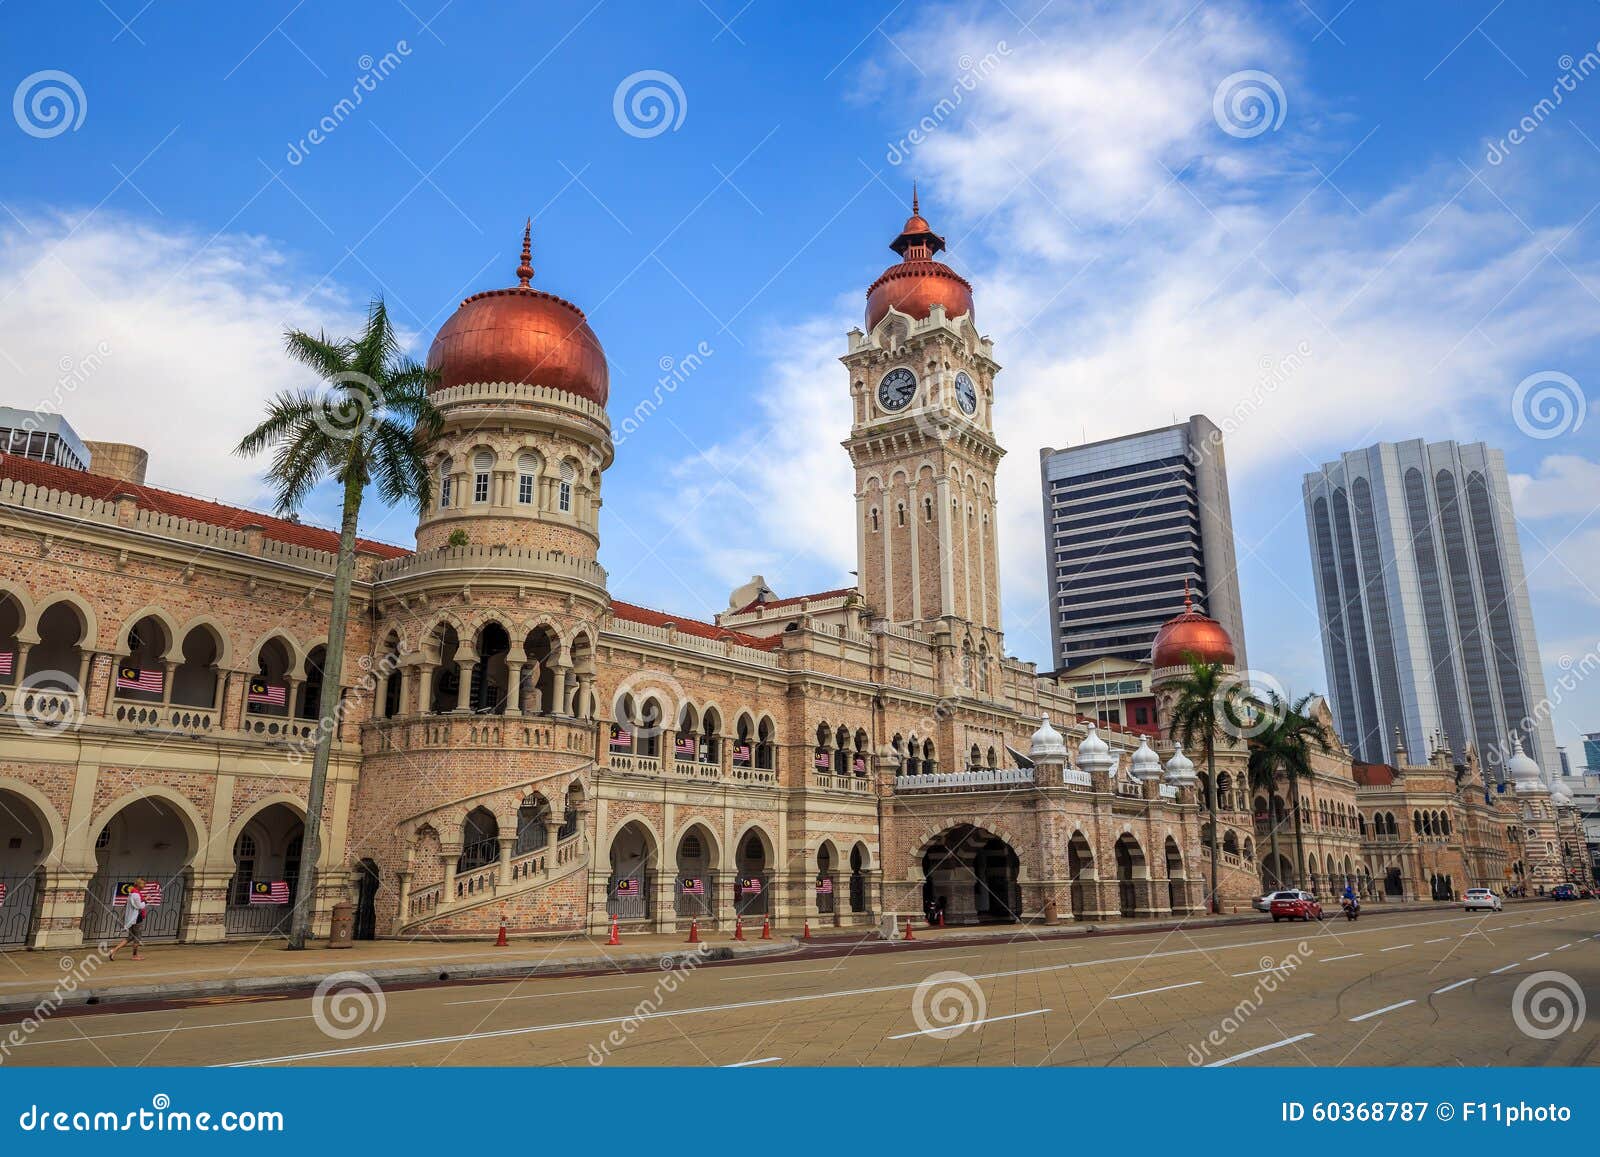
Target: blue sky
[[1133, 258]]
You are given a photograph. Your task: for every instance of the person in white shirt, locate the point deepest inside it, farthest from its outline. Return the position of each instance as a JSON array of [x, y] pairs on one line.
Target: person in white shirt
[[133, 913]]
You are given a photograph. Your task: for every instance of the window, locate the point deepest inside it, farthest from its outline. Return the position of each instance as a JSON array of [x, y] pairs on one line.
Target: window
[[482, 467], [874, 518], [900, 513], [564, 489], [527, 476], [927, 509], [445, 468]]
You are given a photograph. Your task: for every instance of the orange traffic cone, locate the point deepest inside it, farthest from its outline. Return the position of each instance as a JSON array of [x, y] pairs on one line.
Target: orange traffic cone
[[909, 935], [616, 934], [941, 917], [806, 935], [738, 928], [500, 940], [766, 929], [694, 932]]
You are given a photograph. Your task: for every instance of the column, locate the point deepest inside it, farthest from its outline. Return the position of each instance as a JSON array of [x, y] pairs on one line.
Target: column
[[507, 846], [464, 692], [293, 705], [947, 585], [552, 830], [169, 667], [448, 854], [514, 688], [585, 691], [561, 689], [425, 688], [111, 680]]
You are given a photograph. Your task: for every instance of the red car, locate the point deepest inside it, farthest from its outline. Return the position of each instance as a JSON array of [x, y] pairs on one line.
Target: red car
[[1295, 906]]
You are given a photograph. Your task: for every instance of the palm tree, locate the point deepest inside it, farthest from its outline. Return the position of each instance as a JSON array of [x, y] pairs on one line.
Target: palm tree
[[1285, 745], [1195, 714], [1263, 771], [371, 425]]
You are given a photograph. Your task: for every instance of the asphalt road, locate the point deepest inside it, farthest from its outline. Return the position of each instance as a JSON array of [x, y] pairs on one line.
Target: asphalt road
[[1427, 988]]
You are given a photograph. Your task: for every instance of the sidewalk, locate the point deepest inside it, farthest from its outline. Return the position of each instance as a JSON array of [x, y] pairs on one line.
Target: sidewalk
[[82, 976]]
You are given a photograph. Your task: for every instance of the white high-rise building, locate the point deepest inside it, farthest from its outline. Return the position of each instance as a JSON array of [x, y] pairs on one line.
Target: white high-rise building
[[1426, 625]]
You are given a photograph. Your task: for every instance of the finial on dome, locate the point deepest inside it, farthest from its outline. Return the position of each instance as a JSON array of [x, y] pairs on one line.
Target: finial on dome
[[525, 270], [1188, 603], [915, 211]]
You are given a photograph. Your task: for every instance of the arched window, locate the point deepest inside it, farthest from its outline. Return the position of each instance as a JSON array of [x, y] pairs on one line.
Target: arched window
[[900, 512], [527, 478], [482, 470], [445, 469], [927, 509], [874, 515], [564, 488]]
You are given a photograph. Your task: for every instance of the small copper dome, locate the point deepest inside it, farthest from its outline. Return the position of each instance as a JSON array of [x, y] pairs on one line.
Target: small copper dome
[[918, 283], [521, 335], [1191, 635]]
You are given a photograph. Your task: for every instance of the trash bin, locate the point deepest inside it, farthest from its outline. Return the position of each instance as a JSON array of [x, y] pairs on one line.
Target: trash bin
[[342, 933]]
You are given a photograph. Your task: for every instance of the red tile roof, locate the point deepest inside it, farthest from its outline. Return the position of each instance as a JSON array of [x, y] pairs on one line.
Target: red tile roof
[[636, 614], [754, 604], [27, 471], [1372, 774]]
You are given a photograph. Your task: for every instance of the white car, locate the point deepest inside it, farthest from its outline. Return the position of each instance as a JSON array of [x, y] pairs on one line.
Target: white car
[[1264, 903], [1481, 898]]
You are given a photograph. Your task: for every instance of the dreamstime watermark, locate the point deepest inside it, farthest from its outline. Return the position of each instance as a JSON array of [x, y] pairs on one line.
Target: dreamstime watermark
[[1548, 404], [676, 969], [1548, 1004], [75, 974], [349, 406], [1275, 374], [647, 703], [48, 703], [48, 103], [1573, 73], [674, 373], [947, 1004], [373, 676], [1274, 974], [71, 373], [1250, 703], [1574, 672], [373, 73], [348, 1004], [1249, 103], [648, 103], [973, 73]]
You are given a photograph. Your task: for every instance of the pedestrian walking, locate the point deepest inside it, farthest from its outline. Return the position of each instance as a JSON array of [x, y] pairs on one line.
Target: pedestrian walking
[[133, 913]]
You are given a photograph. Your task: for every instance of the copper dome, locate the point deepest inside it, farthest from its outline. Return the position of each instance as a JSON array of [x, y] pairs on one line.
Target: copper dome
[[521, 335], [1191, 635], [918, 283]]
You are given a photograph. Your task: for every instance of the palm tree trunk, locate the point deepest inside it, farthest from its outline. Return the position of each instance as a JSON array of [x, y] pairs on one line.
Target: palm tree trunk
[[327, 718], [1211, 808], [1299, 838], [1272, 835]]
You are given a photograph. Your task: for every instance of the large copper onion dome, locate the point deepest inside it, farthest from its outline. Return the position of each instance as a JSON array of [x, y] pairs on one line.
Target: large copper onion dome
[[521, 335], [918, 283], [1191, 635]]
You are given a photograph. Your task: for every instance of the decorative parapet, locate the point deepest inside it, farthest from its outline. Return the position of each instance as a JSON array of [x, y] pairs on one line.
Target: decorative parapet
[[500, 394], [978, 777], [667, 636], [489, 559]]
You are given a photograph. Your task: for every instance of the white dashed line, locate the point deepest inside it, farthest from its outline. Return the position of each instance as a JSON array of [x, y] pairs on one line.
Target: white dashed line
[[952, 1029], [1457, 984], [1440, 939], [1497, 971], [748, 1064], [1537, 956], [1396, 947], [1348, 956], [1149, 991], [1259, 1051], [1380, 1011]]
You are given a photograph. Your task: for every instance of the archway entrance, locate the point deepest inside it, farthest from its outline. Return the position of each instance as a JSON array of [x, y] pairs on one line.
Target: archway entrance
[[24, 844], [1132, 872], [1392, 884], [368, 882], [753, 883], [970, 876], [266, 873], [150, 840], [1080, 870], [1177, 884], [1276, 873], [633, 854], [696, 890], [858, 879]]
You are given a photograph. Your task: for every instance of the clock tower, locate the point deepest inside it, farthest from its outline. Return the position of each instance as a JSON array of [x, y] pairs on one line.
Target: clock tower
[[922, 444]]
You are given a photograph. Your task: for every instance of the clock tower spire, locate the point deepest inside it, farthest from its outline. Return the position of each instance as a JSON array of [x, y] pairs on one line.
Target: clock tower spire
[[922, 444]]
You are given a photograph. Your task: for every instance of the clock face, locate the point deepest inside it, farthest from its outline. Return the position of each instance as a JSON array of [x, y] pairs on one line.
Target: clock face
[[966, 394], [897, 389]]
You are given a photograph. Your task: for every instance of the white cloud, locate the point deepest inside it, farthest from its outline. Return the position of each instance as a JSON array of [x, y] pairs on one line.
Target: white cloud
[[183, 332], [1566, 484], [1136, 264]]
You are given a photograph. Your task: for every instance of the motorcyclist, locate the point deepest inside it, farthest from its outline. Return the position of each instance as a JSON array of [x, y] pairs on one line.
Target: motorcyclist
[[1350, 901]]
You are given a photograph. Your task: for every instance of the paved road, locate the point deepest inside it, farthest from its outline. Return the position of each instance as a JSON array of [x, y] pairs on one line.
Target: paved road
[[1429, 988]]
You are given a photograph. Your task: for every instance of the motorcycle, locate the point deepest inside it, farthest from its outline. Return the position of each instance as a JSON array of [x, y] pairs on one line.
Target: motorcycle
[[1352, 909]]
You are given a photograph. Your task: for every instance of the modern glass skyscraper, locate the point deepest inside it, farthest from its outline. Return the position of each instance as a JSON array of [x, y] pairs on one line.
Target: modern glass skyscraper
[[1130, 524], [1426, 625]]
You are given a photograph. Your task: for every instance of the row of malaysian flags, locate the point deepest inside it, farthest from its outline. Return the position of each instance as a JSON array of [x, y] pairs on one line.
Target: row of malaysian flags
[[269, 891], [151, 893]]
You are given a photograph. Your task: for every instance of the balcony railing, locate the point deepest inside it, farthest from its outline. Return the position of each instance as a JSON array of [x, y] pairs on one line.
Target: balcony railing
[[980, 777]]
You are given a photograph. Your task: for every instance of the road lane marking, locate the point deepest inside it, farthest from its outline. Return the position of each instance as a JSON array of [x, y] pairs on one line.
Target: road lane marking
[[1457, 984], [1537, 956], [1507, 968], [67, 1040], [1380, 1011], [953, 1029], [1259, 971], [1347, 956], [541, 995], [964, 956], [1559, 949], [1164, 988], [1396, 947], [1259, 1051], [1441, 939], [761, 974], [747, 1064]]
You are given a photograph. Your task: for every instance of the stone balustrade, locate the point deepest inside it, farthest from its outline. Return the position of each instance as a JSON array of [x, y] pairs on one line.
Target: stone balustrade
[[979, 777]]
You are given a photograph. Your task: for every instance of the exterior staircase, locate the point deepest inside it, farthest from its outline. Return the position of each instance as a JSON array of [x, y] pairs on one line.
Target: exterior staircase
[[496, 882]]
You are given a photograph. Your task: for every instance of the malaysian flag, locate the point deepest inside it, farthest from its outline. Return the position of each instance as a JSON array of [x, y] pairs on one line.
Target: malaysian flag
[[621, 737], [859, 765], [264, 892], [2, 894], [150, 892], [131, 678], [741, 753], [684, 746], [752, 885], [694, 886], [823, 761], [628, 886], [7, 661], [825, 885], [267, 694]]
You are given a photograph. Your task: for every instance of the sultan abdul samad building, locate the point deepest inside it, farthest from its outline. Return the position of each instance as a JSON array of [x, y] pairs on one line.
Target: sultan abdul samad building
[[515, 743]]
